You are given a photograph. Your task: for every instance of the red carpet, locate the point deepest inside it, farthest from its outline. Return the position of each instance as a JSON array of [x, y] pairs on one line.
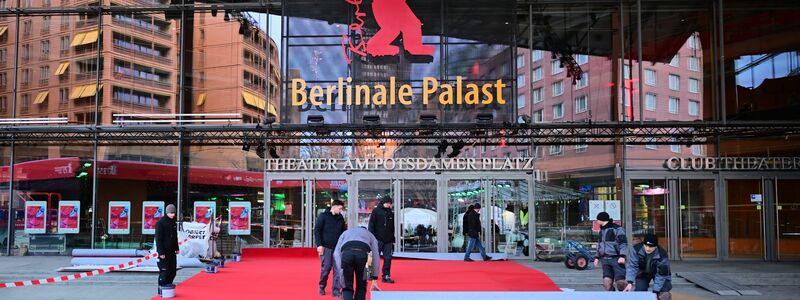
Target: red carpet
[[293, 274]]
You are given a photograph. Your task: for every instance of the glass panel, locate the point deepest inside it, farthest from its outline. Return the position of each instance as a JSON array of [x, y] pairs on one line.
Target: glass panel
[[134, 174], [698, 227], [745, 222], [650, 210], [419, 216], [788, 219], [460, 195], [4, 199], [370, 193], [325, 192], [508, 204], [49, 175], [286, 213]]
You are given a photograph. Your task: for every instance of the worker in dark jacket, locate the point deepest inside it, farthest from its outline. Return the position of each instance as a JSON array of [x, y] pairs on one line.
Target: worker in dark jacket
[[612, 247], [330, 225], [464, 226], [167, 247], [381, 225], [350, 257], [648, 261], [473, 230]]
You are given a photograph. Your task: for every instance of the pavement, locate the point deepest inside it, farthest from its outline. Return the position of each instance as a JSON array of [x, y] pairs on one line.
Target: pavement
[[774, 280]]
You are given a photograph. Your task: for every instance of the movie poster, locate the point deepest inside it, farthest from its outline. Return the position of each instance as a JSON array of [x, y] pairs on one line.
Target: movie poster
[[35, 214], [119, 216], [204, 211], [69, 213], [239, 218], [152, 211]]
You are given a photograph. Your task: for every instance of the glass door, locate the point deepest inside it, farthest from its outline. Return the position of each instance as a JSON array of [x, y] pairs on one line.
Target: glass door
[[418, 215], [324, 192], [461, 194], [509, 203], [697, 219], [287, 213], [788, 219], [745, 218], [650, 209], [370, 193]]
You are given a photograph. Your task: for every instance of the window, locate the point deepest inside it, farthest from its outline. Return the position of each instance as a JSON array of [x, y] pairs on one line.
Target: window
[[26, 76], [694, 86], [44, 73], [45, 49], [520, 80], [675, 148], [520, 101], [694, 43], [650, 77], [26, 27], [626, 71], [46, 22], [523, 153], [3, 56], [581, 104], [583, 82], [537, 95], [520, 61], [202, 34], [697, 150], [650, 146], [64, 43], [558, 88], [676, 61], [580, 148], [555, 67], [537, 74], [694, 63], [538, 116], [558, 111], [556, 150], [582, 59], [3, 103], [536, 55], [26, 52], [64, 21], [674, 82], [26, 102], [694, 108], [674, 104], [3, 79], [63, 96], [650, 101]]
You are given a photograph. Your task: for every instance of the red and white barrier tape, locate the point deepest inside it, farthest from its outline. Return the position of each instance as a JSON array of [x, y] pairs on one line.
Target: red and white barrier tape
[[84, 274]]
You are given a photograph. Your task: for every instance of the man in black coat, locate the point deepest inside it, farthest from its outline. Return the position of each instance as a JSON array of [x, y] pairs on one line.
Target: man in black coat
[[167, 247], [473, 230], [381, 225], [330, 225]]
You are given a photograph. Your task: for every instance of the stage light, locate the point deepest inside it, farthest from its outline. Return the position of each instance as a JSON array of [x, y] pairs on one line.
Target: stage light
[[261, 149], [269, 119], [442, 148], [456, 149], [246, 147], [315, 120], [372, 119], [227, 16], [273, 152], [213, 10], [484, 118], [427, 119]]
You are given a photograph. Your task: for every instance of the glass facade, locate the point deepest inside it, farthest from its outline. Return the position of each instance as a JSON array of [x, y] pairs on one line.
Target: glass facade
[[276, 63]]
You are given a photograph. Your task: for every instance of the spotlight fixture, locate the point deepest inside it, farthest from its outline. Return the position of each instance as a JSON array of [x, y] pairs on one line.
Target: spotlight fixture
[[269, 119], [227, 16], [524, 119], [246, 147], [427, 119], [213, 10], [273, 152], [372, 120], [244, 28], [456, 149], [484, 118], [442, 149], [260, 150], [315, 120]]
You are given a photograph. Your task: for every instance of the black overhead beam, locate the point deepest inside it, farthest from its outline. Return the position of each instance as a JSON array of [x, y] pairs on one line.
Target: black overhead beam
[[607, 133]]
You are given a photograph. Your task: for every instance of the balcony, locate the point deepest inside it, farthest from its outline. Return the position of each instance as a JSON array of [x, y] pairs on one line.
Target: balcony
[[64, 52], [150, 83], [93, 22], [44, 82], [137, 54], [130, 22], [86, 76], [139, 107]]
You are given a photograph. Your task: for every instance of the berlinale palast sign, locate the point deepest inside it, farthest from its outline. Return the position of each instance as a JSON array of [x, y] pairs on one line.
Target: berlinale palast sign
[[401, 164]]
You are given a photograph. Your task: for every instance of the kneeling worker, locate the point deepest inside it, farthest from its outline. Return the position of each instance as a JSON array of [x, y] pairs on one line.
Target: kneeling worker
[[646, 262], [350, 257]]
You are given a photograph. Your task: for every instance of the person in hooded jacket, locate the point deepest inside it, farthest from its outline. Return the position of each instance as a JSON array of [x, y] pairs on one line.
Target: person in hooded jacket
[[649, 262], [470, 209], [167, 247], [473, 230], [330, 225], [612, 247], [381, 225]]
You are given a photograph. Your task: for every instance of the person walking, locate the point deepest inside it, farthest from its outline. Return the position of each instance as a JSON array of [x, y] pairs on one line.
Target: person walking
[[330, 225], [473, 230], [353, 250], [648, 261], [167, 247], [612, 247], [381, 225]]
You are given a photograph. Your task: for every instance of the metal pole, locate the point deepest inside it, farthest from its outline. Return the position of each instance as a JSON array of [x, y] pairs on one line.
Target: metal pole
[[97, 121], [181, 145], [721, 22], [10, 234], [639, 50]]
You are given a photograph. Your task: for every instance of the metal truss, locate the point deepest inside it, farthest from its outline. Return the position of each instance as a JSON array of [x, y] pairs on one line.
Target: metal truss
[[607, 133]]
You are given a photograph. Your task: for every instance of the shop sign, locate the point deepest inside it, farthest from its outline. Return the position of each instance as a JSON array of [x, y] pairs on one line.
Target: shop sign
[[732, 163], [401, 164]]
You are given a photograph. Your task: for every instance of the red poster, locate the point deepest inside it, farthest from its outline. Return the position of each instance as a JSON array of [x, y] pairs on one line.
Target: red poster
[[35, 216], [119, 217], [68, 214]]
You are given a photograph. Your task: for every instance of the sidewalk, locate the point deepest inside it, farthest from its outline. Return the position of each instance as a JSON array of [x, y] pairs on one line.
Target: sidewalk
[[773, 280], [115, 285]]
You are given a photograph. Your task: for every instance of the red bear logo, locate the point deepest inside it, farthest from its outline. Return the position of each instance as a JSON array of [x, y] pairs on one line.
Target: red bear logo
[[395, 17]]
